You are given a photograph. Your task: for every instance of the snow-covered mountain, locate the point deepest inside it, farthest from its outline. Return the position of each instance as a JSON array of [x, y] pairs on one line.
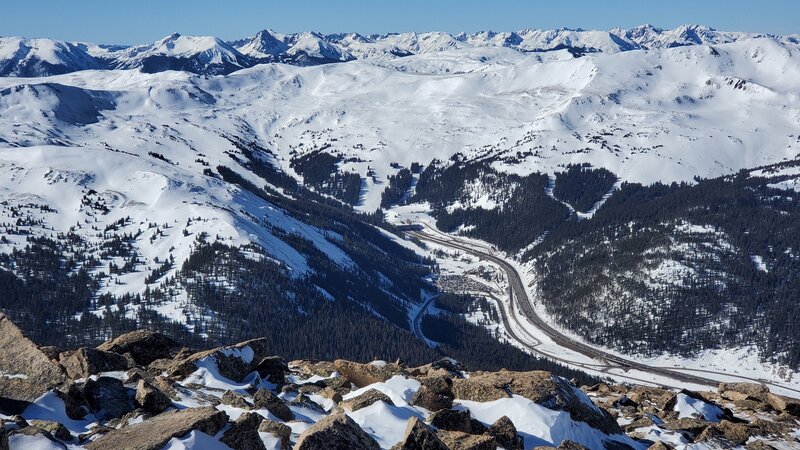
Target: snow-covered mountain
[[211, 56], [164, 187], [196, 54], [21, 57]]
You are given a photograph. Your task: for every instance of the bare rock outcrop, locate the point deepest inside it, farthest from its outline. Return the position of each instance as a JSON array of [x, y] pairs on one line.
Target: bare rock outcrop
[[26, 372], [336, 432], [153, 434]]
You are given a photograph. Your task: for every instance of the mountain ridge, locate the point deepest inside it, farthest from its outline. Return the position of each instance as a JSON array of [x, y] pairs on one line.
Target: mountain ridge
[[312, 48]]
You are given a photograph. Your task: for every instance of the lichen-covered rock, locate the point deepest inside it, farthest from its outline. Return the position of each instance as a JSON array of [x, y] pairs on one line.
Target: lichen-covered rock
[[235, 399], [26, 372], [143, 346], [419, 436], [363, 400], [691, 425], [153, 434], [743, 391], [783, 404], [55, 429], [733, 433], [308, 367], [456, 440], [365, 374], [336, 432]]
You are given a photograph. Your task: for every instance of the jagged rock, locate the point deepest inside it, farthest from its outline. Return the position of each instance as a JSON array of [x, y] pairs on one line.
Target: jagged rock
[[694, 426], [335, 432], [540, 387], [234, 362], [264, 399], [51, 351], [505, 433], [309, 389], [338, 383], [367, 398], [419, 436], [457, 440], [435, 393], [564, 445], [645, 394], [331, 394], [27, 372], [159, 382], [134, 416], [273, 369], [96, 431], [307, 367], [301, 400], [55, 429], [243, 434], [143, 346], [639, 423], [234, 399], [600, 388], [75, 402], [660, 446], [735, 433], [759, 445], [752, 405], [365, 374], [107, 397], [153, 434], [784, 404], [280, 430], [743, 391], [452, 420], [151, 399], [3, 436], [85, 362], [763, 427], [445, 367]]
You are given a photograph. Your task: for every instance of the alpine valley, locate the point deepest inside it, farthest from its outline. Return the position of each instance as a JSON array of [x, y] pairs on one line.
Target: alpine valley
[[616, 206]]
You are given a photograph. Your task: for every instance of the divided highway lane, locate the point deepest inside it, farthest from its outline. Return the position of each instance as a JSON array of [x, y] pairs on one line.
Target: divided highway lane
[[519, 298]]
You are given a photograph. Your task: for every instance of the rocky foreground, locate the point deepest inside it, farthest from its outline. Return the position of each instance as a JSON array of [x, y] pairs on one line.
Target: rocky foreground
[[143, 391]]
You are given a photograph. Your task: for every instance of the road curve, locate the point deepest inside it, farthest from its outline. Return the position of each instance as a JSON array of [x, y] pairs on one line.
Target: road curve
[[519, 298]]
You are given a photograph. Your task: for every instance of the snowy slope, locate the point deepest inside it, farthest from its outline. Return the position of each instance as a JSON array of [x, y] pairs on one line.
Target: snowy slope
[[642, 115]]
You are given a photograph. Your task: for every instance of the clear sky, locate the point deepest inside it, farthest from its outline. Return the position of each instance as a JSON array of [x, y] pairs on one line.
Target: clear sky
[[138, 21]]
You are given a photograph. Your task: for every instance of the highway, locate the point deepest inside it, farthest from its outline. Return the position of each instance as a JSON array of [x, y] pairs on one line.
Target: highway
[[602, 361]]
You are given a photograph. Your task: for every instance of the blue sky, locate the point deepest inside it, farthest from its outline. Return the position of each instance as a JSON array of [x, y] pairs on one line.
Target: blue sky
[[127, 22]]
